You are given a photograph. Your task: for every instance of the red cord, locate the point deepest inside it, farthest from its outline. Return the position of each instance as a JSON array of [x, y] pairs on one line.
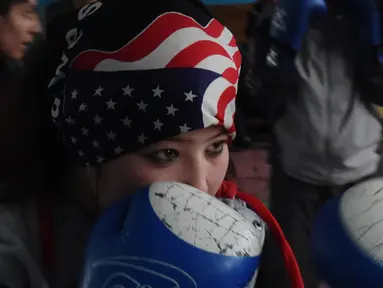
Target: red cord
[[288, 255], [45, 218]]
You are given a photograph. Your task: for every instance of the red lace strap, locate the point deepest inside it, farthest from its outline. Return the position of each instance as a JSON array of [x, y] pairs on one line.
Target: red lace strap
[[276, 231], [229, 190], [45, 218]]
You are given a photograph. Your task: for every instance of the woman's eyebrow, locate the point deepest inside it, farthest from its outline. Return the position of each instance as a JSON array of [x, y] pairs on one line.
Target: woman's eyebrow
[[217, 135], [31, 6], [180, 139]]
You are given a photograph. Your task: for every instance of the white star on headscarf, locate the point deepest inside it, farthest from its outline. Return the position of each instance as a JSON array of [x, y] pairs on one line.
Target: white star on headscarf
[[142, 106], [98, 91], [158, 125], [117, 150], [142, 138], [190, 96], [184, 128], [110, 104], [126, 121], [171, 110], [82, 107], [111, 135], [96, 144], [97, 119], [85, 131], [128, 90], [157, 92], [69, 120], [74, 94]]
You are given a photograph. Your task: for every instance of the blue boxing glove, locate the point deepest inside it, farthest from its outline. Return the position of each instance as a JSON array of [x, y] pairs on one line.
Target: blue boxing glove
[[171, 235], [288, 25], [346, 238], [289, 22]]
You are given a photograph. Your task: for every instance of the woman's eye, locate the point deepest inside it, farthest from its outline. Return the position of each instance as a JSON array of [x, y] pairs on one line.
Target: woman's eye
[[216, 148], [28, 15], [164, 156], [29, 12]]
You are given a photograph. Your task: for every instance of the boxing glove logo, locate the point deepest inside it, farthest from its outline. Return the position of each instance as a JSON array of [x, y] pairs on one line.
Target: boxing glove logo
[[272, 58], [278, 21], [138, 272]]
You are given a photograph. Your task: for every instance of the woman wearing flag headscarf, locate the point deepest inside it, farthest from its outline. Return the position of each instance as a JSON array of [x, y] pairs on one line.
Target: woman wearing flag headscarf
[[134, 102]]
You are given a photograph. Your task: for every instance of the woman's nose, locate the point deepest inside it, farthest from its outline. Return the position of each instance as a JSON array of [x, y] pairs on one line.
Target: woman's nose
[[36, 27], [196, 175]]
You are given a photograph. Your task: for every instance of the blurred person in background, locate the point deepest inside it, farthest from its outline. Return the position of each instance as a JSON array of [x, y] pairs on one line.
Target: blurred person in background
[[19, 23], [326, 131], [242, 139]]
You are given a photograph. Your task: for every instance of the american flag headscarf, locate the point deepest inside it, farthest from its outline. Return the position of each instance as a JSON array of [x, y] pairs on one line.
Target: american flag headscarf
[[136, 73]]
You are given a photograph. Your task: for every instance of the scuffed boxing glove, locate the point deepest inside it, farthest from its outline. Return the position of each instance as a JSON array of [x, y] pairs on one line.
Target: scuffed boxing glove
[[172, 235]]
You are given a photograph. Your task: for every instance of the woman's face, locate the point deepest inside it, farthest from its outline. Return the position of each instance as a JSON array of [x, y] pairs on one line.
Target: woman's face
[[18, 28], [199, 158]]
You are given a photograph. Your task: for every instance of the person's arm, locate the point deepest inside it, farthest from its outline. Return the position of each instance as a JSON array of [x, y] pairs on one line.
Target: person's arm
[[267, 86], [370, 84], [18, 267], [12, 272]]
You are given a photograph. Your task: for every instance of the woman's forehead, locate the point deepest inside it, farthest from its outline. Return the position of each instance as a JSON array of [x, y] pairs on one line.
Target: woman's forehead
[[32, 2], [200, 135], [23, 6]]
